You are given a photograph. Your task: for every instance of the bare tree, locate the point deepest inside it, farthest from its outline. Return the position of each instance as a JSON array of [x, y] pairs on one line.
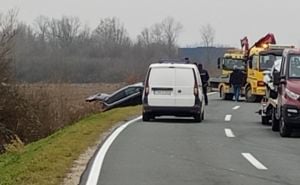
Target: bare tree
[[42, 27], [145, 37], [207, 33], [157, 35], [111, 36], [171, 30], [8, 27], [65, 30], [8, 95]]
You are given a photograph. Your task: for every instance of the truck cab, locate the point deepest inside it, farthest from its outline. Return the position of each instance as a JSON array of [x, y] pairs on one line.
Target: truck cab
[[232, 58], [261, 60], [288, 81]]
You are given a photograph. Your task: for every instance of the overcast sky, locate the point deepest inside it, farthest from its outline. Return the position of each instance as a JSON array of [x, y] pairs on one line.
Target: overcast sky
[[232, 19]]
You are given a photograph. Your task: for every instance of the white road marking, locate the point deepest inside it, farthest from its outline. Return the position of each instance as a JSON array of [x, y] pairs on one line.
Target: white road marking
[[211, 93], [98, 161], [254, 161], [236, 107], [229, 132], [228, 117]]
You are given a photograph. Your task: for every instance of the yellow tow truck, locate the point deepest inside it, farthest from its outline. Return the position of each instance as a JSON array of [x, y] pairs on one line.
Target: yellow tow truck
[[260, 58], [231, 58]]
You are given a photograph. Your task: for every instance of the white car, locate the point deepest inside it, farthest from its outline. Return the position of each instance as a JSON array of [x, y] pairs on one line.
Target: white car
[[173, 89]]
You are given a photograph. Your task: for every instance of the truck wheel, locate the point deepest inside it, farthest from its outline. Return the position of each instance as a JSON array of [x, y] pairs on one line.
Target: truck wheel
[[249, 96], [222, 93], [225, 96], [275, 121], [284, 131], [258, 98], [228, 96], [146, 117]]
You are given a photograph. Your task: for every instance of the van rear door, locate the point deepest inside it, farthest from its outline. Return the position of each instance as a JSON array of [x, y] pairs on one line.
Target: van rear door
[[184, 87], [161, 87]]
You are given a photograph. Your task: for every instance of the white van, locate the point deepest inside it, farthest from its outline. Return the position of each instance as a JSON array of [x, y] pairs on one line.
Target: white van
[[173, 89]]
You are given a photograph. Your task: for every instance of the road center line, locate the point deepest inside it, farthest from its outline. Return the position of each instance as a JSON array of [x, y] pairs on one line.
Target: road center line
[[236, 107], [229, 132], [98, 161], [254, 161], [228, 117]]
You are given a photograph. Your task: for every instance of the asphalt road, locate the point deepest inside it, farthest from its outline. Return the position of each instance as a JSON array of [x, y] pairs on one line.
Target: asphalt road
[[229, 147]]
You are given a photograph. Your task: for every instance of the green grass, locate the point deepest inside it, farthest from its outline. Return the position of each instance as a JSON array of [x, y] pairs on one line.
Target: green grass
[[47, 161]]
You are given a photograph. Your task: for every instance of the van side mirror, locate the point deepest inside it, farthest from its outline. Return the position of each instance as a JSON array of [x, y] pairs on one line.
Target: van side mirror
[[219, 63], [276, 77]]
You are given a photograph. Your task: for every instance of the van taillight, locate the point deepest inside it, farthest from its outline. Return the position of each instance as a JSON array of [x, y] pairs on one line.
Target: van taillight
[[196, 91], [146, 91], [147, 83]]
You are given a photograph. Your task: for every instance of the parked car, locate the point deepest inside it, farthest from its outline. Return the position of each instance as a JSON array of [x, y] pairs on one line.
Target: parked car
[[126, 96], [173, 89]]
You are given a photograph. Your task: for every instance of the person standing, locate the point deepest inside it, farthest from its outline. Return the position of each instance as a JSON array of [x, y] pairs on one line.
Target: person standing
[[236, 80], [204, 78]]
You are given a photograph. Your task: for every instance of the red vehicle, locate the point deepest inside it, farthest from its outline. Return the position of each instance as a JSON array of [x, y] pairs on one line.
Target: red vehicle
[[286, 113]]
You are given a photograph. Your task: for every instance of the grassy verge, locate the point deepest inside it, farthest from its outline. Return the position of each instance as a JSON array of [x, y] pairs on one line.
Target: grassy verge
[[48, 160]]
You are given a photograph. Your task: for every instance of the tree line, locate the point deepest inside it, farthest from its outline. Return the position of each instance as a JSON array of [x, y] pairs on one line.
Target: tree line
[[66, 50]]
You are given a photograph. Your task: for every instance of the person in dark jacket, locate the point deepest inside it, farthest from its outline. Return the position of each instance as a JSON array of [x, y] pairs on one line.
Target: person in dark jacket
[[204, 78], [237, 81]]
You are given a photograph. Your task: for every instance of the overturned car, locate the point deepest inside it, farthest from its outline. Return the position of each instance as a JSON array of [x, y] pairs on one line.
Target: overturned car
[[126, 96]]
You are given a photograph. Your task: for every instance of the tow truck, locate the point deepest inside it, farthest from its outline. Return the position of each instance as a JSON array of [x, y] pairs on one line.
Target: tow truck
[[259, 57], [283, 107], [231, 58]]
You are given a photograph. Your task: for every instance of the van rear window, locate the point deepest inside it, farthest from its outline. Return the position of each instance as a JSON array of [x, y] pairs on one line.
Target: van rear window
[[184, 77], [162, 77]]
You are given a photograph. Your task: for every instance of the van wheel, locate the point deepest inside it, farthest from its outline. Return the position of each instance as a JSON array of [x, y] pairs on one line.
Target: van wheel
[[198, 117], [275, 121], [146, 117], [284, 131], [249, 96]]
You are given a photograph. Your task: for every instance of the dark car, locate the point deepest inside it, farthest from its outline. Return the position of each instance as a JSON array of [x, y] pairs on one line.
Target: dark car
[[126, 96]]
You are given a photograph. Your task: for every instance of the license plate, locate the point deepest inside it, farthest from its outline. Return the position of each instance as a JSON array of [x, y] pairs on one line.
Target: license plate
[[162, 92]]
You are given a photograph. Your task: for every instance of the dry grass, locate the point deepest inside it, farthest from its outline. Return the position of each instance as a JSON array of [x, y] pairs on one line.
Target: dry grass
[[56, 105]]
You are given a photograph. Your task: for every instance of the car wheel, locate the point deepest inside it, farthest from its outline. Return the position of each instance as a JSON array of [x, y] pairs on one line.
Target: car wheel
[[275, 121], [146, 117], [197, 117], [284, 131]]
